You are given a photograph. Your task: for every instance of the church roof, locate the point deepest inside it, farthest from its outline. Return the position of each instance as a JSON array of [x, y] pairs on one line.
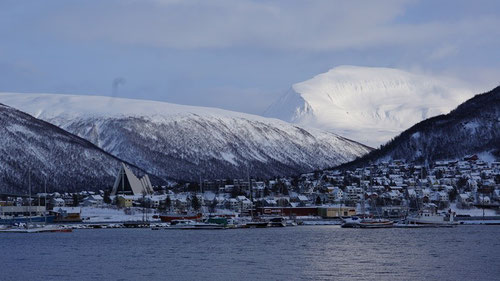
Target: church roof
[[126, 182]]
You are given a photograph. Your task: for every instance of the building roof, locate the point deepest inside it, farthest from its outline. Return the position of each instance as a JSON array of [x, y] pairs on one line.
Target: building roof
[[303, 198], [69, 210], [127, 182]]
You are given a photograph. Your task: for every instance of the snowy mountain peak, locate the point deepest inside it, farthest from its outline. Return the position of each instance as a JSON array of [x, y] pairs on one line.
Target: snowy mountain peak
[[368, 104]]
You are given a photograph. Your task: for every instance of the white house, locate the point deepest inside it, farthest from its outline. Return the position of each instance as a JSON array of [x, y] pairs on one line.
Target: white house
[[57, 202]]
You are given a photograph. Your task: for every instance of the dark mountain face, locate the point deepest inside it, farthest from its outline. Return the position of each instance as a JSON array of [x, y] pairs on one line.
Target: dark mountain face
[[66, 162], [472, 128], [214, 147]]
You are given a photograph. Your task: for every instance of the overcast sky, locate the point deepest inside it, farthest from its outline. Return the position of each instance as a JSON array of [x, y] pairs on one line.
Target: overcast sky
[[238, 55]]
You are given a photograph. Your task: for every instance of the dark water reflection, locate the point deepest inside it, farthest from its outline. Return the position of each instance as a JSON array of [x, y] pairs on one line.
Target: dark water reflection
[[295, 253]]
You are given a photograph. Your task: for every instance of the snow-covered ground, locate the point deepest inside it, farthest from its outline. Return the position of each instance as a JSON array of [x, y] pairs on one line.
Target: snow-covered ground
[[472, 212], [91, 214]]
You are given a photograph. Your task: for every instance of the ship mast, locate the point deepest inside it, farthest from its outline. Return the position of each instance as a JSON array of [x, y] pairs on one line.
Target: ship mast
[[251, 191], [362, 185], [45, 200], [29, 192]]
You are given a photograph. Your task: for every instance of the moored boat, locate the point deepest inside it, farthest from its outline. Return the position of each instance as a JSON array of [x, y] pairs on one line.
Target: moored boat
[[169, 217], [217, 220], [277, 222], [11, 220], [33, 228], [136, 224], [428, 218], [376, 223], [356, 222], [190, 224]]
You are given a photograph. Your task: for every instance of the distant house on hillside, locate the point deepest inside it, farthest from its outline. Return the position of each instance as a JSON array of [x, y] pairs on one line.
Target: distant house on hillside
[[57, 202], [93, 201]]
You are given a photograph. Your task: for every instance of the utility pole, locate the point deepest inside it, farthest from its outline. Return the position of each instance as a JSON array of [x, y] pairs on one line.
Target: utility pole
[[201, 185]]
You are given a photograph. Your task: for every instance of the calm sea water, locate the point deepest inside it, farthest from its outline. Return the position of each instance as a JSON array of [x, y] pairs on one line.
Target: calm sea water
[[293, 253]]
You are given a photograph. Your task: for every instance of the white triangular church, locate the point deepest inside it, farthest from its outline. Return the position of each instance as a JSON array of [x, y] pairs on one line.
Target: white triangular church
[[128, 184]]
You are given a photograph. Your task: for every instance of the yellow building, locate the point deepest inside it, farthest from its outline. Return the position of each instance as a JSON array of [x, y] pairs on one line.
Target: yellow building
[[124, 201], [67, 214], [335, 212]]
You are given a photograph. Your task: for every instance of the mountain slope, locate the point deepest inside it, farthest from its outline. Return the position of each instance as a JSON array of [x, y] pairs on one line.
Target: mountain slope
[[472, 128], [367, 104], [185, 142], [65, 161]]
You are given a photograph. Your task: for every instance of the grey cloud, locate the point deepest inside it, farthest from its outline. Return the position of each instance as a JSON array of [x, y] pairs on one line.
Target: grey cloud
[[313, 25], [226, 23], [236, 54]]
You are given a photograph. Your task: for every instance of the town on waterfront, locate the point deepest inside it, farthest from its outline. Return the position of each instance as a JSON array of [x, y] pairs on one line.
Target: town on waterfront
[[468, 189]]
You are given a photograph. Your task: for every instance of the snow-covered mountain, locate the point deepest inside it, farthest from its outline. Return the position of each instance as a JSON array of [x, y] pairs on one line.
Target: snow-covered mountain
[[471, 128], [185, 142], [368, 104], [66, 162]]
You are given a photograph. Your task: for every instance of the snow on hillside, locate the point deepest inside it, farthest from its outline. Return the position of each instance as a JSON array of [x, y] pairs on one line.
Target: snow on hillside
[[50, 106], [62, 160], [473, 128], [368, 104], [185, 142]]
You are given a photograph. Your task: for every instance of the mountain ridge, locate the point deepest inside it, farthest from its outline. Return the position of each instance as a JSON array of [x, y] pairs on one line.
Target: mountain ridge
[[473, 127], [186, 142], [65, 161]]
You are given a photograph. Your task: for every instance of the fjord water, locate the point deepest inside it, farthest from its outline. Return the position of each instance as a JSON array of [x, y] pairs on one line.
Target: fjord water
[[294, 253]]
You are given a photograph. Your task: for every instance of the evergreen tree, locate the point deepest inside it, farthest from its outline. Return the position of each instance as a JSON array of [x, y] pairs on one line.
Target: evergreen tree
[[453, 194], [76, 200], [277, 186], [439, 174], [106, 197], [194, 187], [235, 192], [213, 205], [266, 191], [461, 183], [195, 203], [424, 173], [285, 190], [346, 181], [168, 203], [318, 200]]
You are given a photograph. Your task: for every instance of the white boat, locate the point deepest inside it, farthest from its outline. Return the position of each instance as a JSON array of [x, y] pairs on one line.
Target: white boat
[[428, 218], [190, 224], [34, 228], [356, 222]]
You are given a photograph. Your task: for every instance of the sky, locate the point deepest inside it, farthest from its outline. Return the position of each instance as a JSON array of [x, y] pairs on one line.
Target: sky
[[239, 55]]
